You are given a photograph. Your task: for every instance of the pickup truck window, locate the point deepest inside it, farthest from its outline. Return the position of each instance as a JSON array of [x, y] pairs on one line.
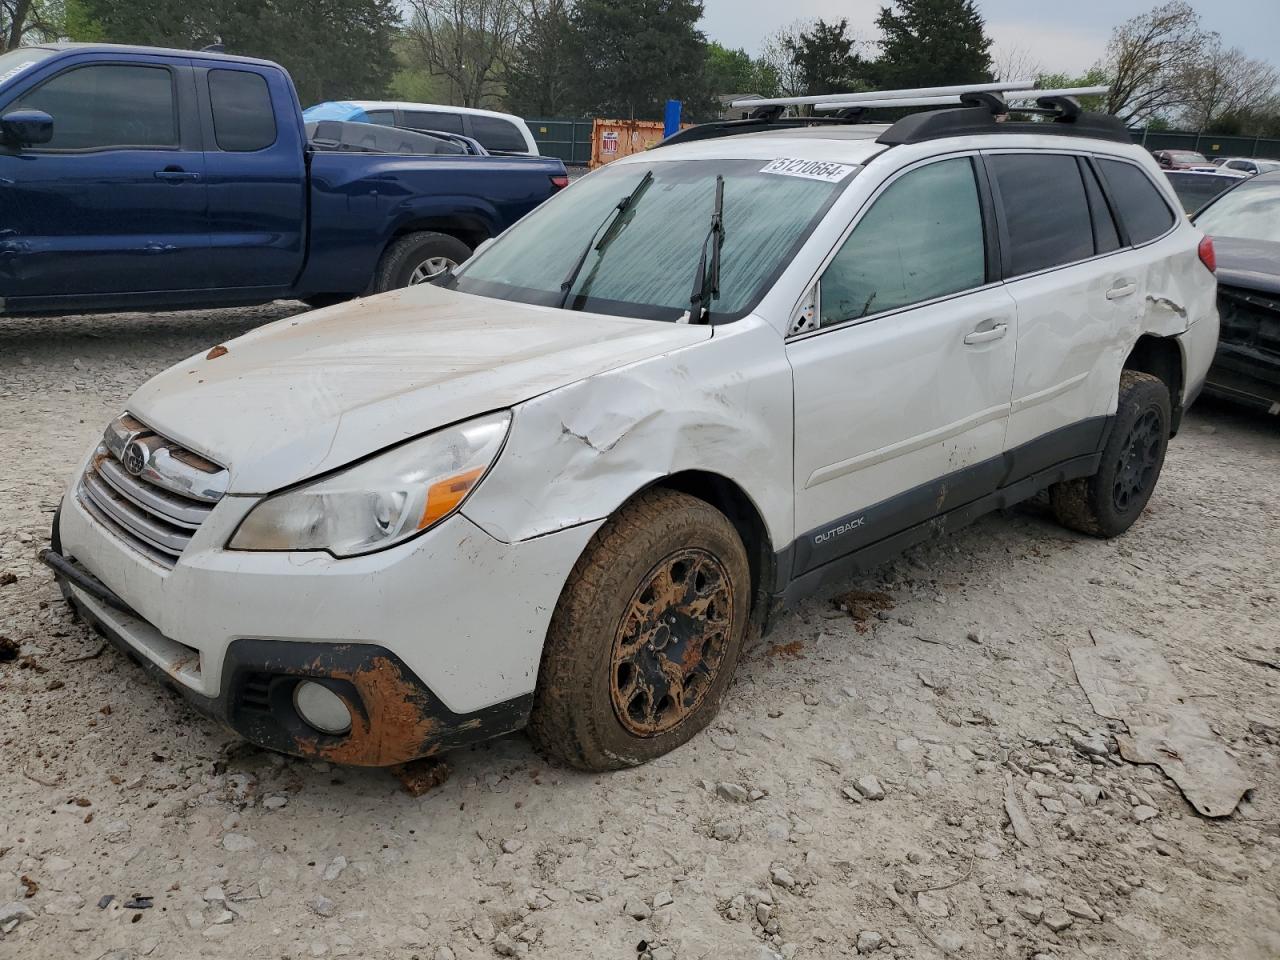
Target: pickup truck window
[[646, 259], [242, 115], [107, 105]]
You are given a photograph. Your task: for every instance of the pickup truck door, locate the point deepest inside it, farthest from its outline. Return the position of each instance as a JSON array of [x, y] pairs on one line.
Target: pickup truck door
[[115, 202], [256, 172], [902, 390]]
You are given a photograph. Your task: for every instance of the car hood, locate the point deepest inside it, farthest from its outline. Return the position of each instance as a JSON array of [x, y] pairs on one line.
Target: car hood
[[307, 394], [1251, 264]]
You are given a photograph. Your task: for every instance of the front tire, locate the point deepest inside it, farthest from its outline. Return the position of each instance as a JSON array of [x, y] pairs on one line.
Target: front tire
[[1107, 503], [646, 635], [418, 258]]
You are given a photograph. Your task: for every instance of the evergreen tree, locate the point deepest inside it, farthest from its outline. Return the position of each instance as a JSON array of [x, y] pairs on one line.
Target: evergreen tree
[[633, 55], [824, 59], [538, 80], [928, 43]]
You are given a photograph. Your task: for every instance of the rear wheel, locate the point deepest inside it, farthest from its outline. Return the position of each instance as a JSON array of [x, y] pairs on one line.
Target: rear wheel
[[418, 258], [1107, 503], [646, 635]]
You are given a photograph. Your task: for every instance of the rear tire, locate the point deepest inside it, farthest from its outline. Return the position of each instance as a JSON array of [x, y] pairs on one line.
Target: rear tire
[[1107, 503], [645, 637], [418, 258]]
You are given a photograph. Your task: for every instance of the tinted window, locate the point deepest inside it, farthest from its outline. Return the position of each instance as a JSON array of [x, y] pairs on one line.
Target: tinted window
[[1105, 236], [242, 115], [1045, 208], [1237, 165], [1194, 190], [108, 105], [495, 134], [1144, 212], [429, 120], [921, 239], [386, 118]]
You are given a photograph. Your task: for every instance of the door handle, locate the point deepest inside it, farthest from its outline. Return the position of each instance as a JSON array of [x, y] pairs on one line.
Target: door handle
[[1122, 289], [994, 332], [176, 174]]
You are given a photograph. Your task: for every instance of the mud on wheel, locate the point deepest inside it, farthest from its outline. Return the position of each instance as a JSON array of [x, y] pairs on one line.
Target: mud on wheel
[[646, 636], [1107, 503]]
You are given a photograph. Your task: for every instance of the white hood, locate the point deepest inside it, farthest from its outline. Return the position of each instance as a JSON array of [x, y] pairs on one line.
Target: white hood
[[305, 395]]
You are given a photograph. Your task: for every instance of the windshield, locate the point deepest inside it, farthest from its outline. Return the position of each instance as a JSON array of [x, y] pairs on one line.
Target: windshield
[[1186, 156], [1251, 211], [16, 61], [645, 258]]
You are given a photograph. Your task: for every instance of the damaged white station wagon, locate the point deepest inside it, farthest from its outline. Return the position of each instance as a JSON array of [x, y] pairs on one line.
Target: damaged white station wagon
[[560, 486]]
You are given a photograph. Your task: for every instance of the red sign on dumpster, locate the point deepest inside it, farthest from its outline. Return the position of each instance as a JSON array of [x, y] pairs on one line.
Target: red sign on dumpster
[[609, 142]]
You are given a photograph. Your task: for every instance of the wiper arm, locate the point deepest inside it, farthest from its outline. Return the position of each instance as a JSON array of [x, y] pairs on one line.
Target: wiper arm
[[706, 284], [614, 222]]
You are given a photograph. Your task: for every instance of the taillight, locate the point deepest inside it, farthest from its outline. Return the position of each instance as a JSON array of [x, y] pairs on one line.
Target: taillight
[[560, 182], [1208, 256]]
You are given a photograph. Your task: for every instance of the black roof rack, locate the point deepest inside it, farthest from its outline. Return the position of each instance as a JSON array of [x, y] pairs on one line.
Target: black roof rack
[[982, 109]]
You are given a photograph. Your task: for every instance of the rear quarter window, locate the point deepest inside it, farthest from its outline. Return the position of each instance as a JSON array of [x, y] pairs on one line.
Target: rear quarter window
[[433, 120], [243, 119], [1139, 203], [497, 134]]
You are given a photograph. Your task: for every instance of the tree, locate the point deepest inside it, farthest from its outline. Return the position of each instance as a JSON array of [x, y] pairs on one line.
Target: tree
[[736, 71], [1225, 82], [775, 56], [1151, 59], [1015, 63], [632, 55], [825, 60], [1094, 77], [299, 34], [539, 67], [928, 43], [468, 42], [26, 20]]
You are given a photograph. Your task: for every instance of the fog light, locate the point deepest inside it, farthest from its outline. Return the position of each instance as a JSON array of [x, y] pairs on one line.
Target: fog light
[[321, 707]]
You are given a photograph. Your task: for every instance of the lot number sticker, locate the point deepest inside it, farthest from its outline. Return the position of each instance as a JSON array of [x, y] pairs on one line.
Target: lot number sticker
[[809, 169]]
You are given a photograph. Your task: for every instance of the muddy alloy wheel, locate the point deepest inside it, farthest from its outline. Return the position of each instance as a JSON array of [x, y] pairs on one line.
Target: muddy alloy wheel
[[646, 635], [1138, 461], [671, 642]]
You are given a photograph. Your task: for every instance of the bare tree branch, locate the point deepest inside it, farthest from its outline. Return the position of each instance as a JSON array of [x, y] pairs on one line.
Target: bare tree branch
[[467, 42]]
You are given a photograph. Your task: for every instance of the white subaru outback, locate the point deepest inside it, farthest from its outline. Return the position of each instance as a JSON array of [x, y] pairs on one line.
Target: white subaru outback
[[559, 487]]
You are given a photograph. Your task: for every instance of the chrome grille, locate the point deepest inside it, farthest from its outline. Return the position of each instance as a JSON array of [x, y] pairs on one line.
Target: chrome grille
[[149, 491]]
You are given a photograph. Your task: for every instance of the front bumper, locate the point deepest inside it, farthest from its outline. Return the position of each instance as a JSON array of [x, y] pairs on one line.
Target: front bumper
[[432, 644]]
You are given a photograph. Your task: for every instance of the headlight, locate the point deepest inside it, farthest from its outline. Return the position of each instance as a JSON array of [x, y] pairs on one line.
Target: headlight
[[382, 501]]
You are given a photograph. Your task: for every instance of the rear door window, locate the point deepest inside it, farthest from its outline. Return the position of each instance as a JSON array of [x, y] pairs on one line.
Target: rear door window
[[433, 120], [107, 105], [1046, 211], [497, 134], [921, 239], [1139, 203], [243, 119]]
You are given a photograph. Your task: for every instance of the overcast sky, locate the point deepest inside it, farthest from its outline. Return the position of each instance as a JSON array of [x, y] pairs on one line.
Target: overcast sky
[[1067, 36]]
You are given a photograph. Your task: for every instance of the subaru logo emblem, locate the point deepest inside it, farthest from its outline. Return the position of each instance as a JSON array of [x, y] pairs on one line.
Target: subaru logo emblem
[[135, 457]]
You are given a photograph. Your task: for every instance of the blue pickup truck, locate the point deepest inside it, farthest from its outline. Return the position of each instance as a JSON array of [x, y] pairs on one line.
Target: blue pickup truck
[[134, 177]]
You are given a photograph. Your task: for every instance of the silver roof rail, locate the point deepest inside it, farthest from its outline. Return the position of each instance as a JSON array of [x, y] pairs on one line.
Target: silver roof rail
[[832, 104], [854, 99]]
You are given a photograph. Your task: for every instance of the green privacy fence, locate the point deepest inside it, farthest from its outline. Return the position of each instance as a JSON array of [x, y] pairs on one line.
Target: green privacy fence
[[1209, 144], [568, 139]]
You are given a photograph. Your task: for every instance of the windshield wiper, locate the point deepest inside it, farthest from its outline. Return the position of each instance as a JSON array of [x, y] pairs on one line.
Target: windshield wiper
[[615, 222], [706, 284]]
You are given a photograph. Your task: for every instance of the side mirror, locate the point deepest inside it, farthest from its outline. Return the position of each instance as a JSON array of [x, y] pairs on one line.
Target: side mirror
[[26, 127]]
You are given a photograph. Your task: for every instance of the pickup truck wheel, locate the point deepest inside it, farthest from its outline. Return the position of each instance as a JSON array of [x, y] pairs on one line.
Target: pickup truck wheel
[[1107, 503], [418, 258], [646, 635]]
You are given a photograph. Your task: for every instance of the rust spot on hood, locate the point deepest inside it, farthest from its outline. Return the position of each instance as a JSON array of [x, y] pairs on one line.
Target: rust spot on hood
[[216, 352], [390, 725]]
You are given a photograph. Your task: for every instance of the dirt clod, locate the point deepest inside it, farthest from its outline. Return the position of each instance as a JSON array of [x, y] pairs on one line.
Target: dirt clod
[[421, 776]]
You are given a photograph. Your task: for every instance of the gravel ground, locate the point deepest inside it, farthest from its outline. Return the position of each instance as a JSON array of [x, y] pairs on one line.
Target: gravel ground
[[763, 837]]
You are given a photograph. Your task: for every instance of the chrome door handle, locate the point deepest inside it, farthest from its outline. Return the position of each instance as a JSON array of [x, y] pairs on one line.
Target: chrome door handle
[[985, 336], [1122, 289]]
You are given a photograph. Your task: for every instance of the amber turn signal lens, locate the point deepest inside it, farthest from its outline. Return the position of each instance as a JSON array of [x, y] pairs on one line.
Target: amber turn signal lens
[[444, 496]]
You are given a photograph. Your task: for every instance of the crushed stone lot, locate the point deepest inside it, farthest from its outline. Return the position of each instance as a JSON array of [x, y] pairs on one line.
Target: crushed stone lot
[[852, 798]]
